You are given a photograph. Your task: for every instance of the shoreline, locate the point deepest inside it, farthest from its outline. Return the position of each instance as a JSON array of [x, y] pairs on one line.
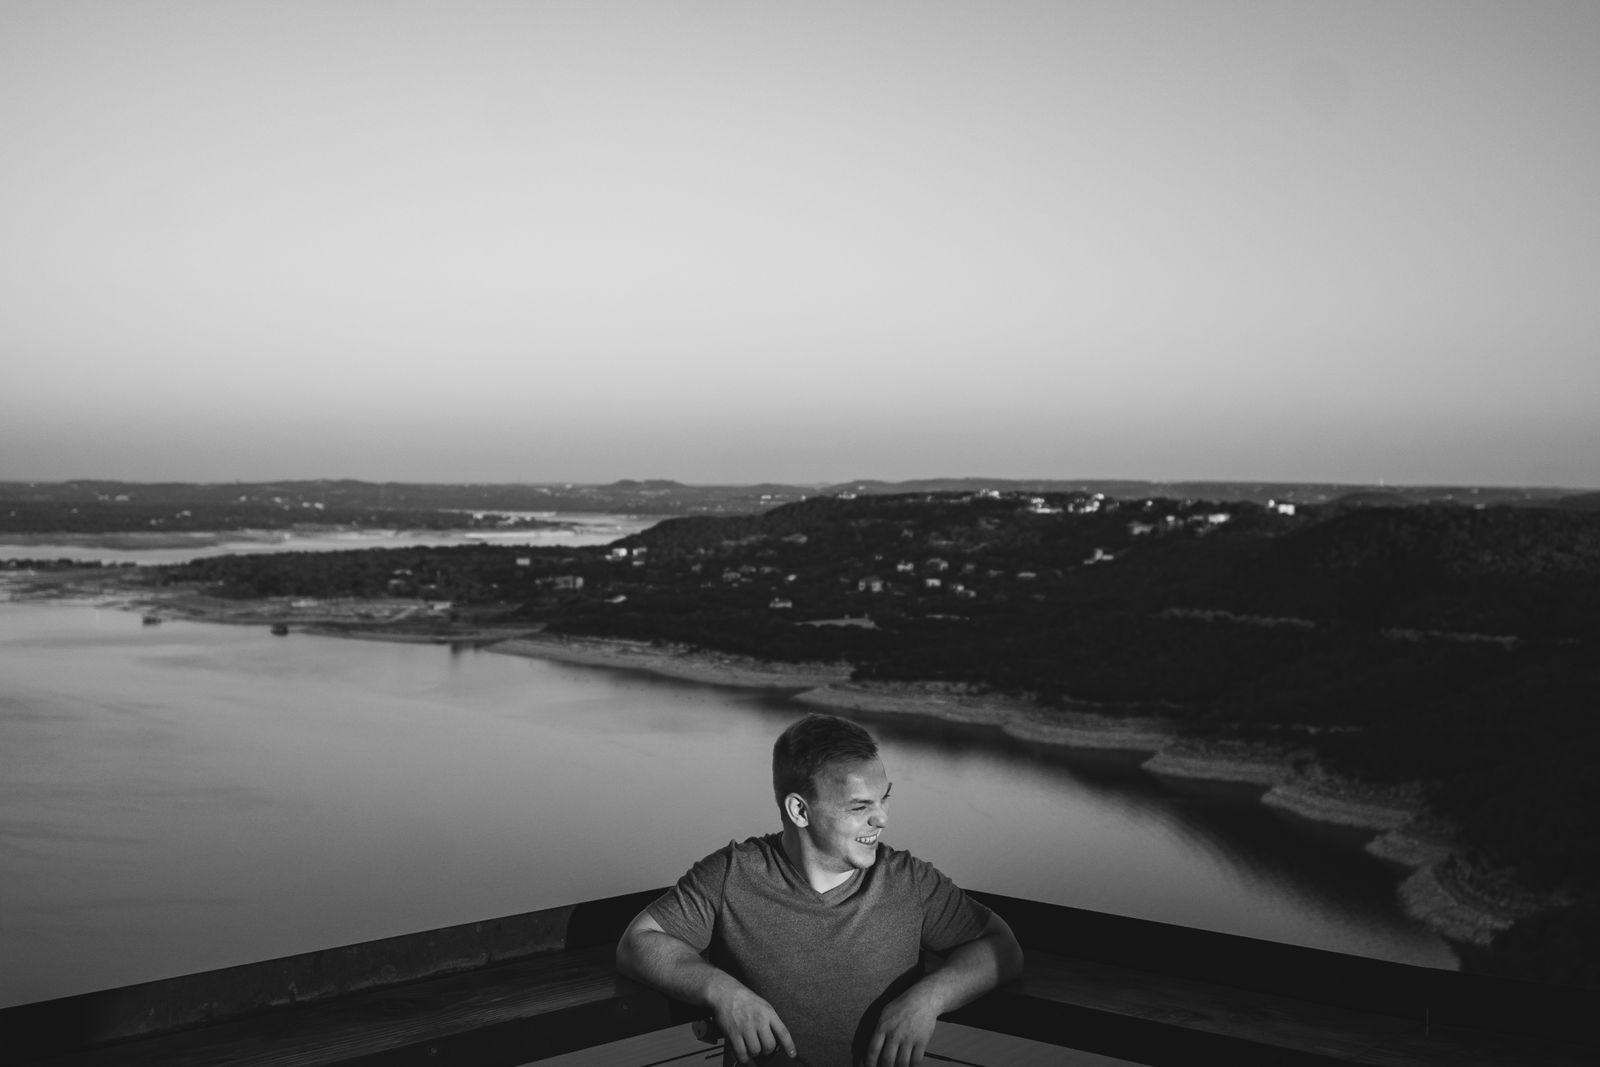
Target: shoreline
[[1440, 888], [673, 661]]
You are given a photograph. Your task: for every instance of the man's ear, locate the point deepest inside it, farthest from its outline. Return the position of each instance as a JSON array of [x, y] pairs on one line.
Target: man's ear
[[794, 806]]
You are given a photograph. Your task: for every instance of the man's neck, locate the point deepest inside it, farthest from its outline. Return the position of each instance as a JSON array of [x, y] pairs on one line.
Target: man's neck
[[818, 877]]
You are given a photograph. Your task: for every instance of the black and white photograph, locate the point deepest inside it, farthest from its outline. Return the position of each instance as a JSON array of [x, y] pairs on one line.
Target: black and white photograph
[[846, 533]]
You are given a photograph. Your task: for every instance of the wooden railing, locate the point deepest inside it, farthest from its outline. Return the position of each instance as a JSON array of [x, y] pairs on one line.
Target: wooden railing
[[513, 990]]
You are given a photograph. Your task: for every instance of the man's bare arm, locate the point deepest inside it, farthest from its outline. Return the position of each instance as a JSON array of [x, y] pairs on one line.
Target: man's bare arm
[[970, 971], [656, 958]]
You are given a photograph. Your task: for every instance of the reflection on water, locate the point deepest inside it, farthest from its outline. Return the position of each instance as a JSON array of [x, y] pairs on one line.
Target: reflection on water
[[187, 796]]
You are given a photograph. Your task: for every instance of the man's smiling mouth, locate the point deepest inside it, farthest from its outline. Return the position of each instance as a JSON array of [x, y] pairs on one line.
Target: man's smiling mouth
[[870, 839]]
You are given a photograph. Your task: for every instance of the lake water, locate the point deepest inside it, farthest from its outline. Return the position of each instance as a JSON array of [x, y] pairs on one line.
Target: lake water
[[149, 549], [186, 796]]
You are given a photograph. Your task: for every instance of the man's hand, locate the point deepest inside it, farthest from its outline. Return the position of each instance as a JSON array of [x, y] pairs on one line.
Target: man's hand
[[972, 969], [749, 1023], [904, 1030], [653, 956]]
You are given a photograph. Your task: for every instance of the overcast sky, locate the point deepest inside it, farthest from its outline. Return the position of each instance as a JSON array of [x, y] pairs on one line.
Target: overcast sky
[[729, 242]]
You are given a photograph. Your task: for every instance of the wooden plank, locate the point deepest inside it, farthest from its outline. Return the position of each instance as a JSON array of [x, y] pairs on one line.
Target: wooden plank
[[56, 1026], [508, 1014], [1160, 1018], [1450, 998]]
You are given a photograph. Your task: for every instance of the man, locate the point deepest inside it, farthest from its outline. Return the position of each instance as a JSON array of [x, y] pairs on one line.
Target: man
[[813, 935]]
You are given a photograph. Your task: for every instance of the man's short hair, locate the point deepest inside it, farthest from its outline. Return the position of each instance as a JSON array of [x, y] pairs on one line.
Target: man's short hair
[[809, 745]]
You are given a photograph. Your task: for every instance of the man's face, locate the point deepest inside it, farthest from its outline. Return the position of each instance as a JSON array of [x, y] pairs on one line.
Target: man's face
[[848, 814]]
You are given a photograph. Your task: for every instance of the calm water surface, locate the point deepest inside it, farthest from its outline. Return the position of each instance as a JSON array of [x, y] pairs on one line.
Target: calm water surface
[[150, 549], [187, 796]]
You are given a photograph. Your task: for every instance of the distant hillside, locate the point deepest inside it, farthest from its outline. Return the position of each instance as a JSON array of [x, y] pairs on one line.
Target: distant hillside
[[112, 506], [1255, 492], [1579, 502]]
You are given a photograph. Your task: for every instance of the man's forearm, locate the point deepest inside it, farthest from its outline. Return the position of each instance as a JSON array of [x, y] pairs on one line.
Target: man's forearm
[[663, 961], [748, 1022], [971, 971]]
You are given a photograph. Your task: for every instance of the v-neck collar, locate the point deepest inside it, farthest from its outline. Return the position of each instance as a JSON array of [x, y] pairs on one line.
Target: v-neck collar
[[842, 891]]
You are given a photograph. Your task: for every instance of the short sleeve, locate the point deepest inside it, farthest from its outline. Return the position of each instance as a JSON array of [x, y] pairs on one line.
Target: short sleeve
[[949, 917], [688, 911]]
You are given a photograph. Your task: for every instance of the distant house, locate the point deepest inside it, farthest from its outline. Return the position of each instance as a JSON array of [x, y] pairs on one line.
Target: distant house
[[905, 566], [1139, 529], [937, 565], [1207, 522], [524, 561], [779, 603], [1100, 556], [932, 583], [567, 581], [870, 585], [1281, 507]]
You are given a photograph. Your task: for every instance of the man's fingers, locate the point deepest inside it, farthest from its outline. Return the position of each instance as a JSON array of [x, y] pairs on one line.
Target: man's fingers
[[754, 1030], [906, 1053], [899, 1051], [875, 1048], [781, 1032]]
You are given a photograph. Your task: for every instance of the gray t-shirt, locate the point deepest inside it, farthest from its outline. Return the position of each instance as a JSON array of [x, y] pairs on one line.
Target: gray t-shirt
[[826, 962]]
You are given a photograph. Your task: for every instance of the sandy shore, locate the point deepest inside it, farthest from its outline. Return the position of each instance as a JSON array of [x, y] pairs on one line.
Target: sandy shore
[[1321, 796], [1019, 718], [1470, 903], [1224, 761], [675, 662]]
